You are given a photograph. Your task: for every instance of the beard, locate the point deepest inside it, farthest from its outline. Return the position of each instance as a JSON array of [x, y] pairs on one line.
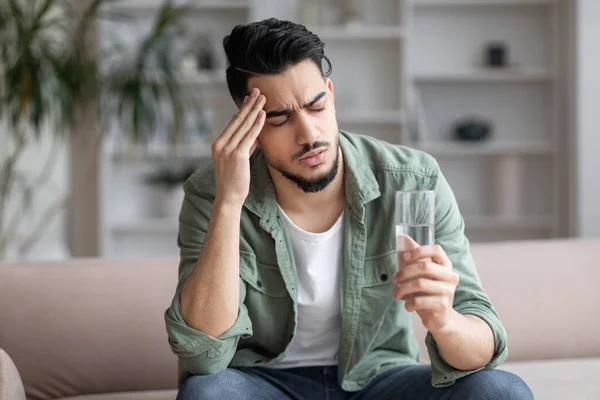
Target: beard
[[310, 185]]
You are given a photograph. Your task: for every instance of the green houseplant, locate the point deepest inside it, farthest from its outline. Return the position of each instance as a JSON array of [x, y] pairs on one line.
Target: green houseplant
[[51, 76]]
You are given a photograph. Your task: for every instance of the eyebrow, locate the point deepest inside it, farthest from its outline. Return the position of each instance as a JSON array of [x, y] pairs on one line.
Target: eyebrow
[[286, 111]]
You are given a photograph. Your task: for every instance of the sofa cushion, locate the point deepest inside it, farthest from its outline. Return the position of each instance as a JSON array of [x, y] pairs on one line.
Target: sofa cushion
[[11, 386], [88, 326], [144, 395], [546, 294], [559, 379]]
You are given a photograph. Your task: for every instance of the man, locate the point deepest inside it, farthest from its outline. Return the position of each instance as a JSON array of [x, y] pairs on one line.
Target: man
[[289, 282]]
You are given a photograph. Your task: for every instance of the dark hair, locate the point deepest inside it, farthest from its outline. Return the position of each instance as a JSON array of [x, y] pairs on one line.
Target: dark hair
[[268, 47]]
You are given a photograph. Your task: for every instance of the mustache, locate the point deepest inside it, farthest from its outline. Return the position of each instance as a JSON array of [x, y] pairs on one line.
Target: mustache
[[308, 148]]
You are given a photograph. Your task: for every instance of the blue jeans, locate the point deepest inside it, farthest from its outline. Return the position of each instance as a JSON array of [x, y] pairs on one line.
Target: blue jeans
[[320, 383]]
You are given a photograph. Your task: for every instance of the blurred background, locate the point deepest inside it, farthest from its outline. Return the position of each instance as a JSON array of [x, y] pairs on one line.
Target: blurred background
[[106, 107]]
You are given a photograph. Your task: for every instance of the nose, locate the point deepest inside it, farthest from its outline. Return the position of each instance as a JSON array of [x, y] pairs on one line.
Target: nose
[[306, 129]]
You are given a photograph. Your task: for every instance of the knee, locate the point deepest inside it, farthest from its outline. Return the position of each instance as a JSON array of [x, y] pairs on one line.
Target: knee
[[224, 384], [497, 384]]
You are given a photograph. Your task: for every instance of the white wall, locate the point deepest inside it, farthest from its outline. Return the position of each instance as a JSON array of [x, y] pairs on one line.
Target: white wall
[[587, 117]]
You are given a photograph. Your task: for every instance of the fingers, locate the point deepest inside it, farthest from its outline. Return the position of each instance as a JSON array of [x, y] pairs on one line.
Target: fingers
[[240, 116], [405, 242], [422, 286], [248, 124], [434, 252], [428, 304], [425, 269], [250, 141]]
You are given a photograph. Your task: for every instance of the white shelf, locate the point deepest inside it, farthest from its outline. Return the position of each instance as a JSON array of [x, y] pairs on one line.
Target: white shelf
[[151, 5], [358, 33], [386, 117], [477, 222], [483, 3], [199, 151], [460, 149], [511, 74], [168, 226]]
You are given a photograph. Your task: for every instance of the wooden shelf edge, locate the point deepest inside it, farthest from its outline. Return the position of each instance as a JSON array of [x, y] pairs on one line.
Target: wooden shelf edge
[[480, 3], [475, 222], [441, 148]]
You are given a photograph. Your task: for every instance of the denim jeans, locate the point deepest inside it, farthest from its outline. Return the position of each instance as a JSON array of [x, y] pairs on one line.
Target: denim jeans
[[320, 383]]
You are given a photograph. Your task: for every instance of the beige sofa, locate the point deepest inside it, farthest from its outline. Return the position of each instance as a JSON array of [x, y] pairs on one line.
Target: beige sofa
[[93, 329]]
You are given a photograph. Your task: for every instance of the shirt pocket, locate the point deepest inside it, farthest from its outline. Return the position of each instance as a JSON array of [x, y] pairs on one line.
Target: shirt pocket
[[380, 315], [268, 304], [262, 278]]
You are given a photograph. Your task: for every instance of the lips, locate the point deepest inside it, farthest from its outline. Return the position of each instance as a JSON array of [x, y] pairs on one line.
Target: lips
[[312, 153], [313, 158]]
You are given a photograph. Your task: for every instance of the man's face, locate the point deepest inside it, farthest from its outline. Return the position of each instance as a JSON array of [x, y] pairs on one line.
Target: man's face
[[300, 138]]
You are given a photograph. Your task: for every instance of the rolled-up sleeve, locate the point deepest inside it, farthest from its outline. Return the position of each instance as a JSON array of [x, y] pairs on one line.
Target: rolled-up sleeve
[[470, 297], [198, 352]]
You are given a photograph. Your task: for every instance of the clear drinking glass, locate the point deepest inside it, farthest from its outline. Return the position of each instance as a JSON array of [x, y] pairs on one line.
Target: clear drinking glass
[[415, 217]]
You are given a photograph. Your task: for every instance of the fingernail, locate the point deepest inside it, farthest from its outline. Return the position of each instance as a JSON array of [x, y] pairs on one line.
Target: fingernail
[[254, 92], [245, 99]]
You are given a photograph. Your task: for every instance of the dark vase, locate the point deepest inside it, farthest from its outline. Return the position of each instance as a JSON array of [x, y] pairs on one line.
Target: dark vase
[[206, 58], [496, 55], [472, 130]]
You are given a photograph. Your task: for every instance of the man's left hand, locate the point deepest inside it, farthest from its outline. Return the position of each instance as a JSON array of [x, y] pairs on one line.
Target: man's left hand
[[427, 283]]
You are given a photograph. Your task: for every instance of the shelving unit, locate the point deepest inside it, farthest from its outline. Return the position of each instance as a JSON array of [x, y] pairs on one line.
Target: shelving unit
[[482, 75], [479, 3], [420, 69], [452, 149], [362, 33], [149, 225], [373, 48], [152, 5], [542, 222], [391, 117], [507, 185]]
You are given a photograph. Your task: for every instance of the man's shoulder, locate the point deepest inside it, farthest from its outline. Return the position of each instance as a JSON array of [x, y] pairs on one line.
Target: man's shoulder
[[382, 156]]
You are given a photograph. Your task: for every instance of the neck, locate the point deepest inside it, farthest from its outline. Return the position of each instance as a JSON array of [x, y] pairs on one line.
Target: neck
[[293, 199]]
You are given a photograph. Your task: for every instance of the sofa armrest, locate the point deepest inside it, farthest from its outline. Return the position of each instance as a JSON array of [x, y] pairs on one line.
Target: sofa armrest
[[11, 386]]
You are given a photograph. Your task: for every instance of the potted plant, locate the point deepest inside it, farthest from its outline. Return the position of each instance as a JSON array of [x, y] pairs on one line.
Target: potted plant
[[51, 83]]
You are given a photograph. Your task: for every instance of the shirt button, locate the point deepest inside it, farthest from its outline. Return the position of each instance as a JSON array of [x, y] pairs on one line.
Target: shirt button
[[259, 283], [384, 277]]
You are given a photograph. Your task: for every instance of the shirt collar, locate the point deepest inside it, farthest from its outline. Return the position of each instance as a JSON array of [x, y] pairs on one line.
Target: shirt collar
[[360, 182]]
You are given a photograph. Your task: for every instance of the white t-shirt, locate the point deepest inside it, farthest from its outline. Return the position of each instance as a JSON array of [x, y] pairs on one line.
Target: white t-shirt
[[318, 258]]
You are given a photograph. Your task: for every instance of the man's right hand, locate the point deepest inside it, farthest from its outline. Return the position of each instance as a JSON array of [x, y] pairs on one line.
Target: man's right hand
[[232, 150]]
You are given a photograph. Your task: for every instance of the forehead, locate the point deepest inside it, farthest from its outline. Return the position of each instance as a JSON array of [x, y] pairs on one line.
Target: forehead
[[294, 86]]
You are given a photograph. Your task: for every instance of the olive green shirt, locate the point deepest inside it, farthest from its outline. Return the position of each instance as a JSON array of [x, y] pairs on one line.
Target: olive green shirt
[[376, 331]]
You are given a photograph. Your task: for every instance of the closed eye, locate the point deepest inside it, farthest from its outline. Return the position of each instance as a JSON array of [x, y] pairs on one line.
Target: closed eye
[[288, 117], [282, 122]]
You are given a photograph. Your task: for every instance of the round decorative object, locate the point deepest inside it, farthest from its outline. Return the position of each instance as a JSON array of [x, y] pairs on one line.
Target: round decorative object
[[472, 129]]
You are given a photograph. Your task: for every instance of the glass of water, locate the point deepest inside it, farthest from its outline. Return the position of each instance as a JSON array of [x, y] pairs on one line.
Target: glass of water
[[415, 218]]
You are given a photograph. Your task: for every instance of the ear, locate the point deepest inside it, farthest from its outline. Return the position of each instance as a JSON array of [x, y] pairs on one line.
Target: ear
[[329, 86]]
